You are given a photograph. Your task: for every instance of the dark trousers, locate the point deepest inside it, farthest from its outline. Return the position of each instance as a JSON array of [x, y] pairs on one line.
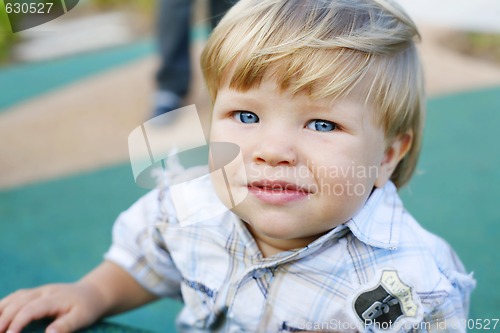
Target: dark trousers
[[174, 21]]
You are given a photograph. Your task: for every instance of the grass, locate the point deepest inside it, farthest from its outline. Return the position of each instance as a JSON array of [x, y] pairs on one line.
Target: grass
[[142, 12], [7, 38]]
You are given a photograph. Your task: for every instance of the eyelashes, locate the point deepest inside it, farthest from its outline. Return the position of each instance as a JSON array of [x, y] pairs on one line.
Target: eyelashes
[[248, 117], [321, 125]]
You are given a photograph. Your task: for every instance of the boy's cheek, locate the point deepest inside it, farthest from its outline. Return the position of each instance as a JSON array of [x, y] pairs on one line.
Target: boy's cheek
[[227, 188], [346, 178], [228, 174]]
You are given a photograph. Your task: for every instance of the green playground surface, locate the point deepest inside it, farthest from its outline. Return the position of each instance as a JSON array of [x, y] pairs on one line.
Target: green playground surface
[[55, 231], [21, 82]]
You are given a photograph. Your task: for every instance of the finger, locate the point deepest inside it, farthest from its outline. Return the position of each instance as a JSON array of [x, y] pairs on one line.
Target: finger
[[12, 304], [22, 294], [3, 324], [36, 309], [69, 322]]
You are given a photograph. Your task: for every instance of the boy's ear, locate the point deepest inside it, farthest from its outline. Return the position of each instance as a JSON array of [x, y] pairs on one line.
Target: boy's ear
[[394, 153]]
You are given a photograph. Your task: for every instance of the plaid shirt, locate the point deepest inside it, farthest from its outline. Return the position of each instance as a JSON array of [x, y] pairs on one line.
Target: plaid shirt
[[380, 271]]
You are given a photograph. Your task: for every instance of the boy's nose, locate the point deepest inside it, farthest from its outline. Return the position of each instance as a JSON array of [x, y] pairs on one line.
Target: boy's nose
[[275, 150]]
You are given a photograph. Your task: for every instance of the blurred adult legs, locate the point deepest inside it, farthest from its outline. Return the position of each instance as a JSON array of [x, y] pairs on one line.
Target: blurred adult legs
[[174, 74], [173, 25]]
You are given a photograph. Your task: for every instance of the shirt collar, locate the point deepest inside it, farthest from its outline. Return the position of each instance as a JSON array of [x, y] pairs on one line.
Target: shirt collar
[[378, 223]]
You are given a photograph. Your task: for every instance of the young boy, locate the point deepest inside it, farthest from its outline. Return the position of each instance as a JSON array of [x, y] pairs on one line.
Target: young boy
[[324, 99]]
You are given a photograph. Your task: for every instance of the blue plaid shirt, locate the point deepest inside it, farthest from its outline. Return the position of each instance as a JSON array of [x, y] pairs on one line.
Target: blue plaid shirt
[[380, 271]]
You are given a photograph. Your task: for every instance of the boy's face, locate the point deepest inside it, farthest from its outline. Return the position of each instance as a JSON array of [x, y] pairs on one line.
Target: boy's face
[[309, 165]]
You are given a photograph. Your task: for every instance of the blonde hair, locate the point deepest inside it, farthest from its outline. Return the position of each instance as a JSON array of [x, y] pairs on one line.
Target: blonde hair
[[326, 48]]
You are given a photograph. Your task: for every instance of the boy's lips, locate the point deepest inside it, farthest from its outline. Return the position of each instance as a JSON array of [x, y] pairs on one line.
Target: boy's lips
[[277, 191]]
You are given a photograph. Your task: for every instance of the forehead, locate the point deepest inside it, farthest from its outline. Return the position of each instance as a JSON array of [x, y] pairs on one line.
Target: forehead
[[319, 73], [324, 89]]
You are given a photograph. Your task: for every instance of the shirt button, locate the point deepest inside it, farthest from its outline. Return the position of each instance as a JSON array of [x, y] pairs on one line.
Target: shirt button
[[258, 273]]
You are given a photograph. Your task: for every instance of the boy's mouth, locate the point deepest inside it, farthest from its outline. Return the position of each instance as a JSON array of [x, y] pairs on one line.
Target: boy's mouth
[[276, 191]]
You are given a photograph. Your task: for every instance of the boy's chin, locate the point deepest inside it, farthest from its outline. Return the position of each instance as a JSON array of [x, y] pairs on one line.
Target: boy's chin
[[280, 232]]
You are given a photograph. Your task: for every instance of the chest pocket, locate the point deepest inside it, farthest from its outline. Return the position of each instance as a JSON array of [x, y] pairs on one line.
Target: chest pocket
[[199, 302]]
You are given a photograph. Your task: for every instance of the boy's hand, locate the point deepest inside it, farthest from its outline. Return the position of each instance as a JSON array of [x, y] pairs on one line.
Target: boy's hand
[[72, 305], [107, 290]]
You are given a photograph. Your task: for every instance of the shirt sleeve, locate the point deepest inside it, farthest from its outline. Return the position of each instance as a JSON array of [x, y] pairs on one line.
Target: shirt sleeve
[[139, 249], [450, 313]]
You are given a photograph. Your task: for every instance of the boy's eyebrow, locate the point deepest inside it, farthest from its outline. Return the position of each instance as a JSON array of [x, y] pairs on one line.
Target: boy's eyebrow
[[330, 107], [320, 107], [339, 110], [242, 100]]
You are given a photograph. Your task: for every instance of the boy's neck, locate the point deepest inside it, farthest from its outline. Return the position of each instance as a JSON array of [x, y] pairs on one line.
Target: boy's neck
[[271, 246]]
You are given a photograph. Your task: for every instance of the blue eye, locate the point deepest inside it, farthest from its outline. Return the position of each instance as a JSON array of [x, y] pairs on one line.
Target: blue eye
[[246, 117], [321, 125]]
